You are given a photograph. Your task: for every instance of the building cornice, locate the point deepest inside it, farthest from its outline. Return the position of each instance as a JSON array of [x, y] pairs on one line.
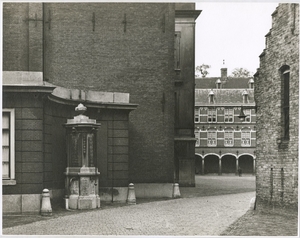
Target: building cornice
[[91, 104], [27, 89], [187, 13]]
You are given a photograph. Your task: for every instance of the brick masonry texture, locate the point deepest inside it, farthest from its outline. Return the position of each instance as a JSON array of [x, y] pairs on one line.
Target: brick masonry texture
[[112, 47], [138, 61], [277, 163], [28, 142]]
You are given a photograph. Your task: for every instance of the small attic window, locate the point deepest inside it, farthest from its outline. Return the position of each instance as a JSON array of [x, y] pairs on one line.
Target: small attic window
[[219, 83], [211, 96], [251, 83], [245, 96]]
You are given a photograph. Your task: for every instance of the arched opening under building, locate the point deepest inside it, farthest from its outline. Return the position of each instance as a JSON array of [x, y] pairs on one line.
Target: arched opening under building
[[228, 164], [198, 164], [246, 164], [211, 164]]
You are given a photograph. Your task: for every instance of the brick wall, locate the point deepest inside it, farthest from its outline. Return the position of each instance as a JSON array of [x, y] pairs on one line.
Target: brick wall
[[28, 142], [23, 41], [88, 46], [138, 61], [277, 163]]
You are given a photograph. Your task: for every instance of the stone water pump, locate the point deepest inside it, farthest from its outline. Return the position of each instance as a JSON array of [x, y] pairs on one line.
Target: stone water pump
[[82, 176]]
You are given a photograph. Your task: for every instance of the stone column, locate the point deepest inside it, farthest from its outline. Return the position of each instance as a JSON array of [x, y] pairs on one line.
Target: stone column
[[237, 166], [220, 166], [254, 159], [202, 166]]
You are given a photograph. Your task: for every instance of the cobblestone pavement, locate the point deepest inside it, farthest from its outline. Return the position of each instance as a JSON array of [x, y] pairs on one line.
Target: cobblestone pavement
[[195, 216], [264, 223]]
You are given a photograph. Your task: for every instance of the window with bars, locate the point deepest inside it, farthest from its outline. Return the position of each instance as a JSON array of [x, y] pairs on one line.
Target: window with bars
[[8, 150], [246, 138], [211, 138], [228, 115], [211, 115], [228, 137]]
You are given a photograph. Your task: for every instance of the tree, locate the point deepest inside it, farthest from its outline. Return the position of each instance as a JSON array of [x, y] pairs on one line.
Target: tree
[[240, 73], [202, 69]]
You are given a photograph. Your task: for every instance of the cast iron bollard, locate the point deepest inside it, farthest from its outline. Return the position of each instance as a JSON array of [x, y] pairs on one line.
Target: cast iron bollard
[[46, 209], [176, 192], [131, 195]]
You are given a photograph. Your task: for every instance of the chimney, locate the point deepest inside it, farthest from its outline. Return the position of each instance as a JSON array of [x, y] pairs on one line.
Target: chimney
[[223, 74]]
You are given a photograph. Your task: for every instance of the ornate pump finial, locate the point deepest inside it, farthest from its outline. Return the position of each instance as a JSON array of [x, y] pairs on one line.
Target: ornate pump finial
[[81, 109]]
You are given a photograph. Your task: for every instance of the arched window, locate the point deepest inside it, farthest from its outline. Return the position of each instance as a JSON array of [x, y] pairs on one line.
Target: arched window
[[211, 96], [219, 83], [285, 101], [251, 83], [245, 96]]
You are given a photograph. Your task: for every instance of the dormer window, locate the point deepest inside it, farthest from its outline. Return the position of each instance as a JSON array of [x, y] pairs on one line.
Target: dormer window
[[211, 96], [251, 83], [245, 96], [218, 84]]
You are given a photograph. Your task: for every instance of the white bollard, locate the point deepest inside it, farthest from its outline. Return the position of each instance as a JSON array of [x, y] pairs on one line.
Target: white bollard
[[176, 192], [131, 195], [67, 203], [46, 209], [252, 203]]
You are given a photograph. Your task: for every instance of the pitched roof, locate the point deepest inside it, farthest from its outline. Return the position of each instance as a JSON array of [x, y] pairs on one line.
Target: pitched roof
[[223, 96], [229, 83]]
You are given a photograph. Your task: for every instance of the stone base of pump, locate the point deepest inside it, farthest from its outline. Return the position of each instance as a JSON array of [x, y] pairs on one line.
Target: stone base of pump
[[82, 202]]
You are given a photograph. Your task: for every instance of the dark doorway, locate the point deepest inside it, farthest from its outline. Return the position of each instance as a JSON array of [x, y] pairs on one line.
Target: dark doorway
[[211, 164], [228, 164], [246, 163]]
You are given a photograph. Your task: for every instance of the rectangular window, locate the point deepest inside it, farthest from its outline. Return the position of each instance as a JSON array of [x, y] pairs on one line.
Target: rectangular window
[[211, 138], [8, 146], [197, 116], [246, 138], [228, 115], [247, 112], [211, 115], [286, 104], [228, 138], [197, 137], [177, 50]]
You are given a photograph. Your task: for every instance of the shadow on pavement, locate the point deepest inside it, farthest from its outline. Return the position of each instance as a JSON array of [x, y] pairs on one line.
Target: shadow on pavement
[[208, 185]]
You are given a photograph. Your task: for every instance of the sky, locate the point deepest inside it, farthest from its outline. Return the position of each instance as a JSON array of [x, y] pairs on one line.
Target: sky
[[233, 32]]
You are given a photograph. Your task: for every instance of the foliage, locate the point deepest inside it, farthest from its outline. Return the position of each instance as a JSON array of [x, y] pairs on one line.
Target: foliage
[[203, 70], [240, 73]]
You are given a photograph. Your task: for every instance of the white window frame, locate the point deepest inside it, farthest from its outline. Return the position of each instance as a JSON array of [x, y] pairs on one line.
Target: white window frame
[[245, 138], [228, 113], [11, 179], [229, 138], [212, 138], [247, 112], [197, 115], [197, 137], [211, 116]]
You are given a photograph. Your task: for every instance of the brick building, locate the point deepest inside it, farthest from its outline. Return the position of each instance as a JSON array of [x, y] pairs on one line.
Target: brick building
[[117, 59], [277, 98], [224, 142]]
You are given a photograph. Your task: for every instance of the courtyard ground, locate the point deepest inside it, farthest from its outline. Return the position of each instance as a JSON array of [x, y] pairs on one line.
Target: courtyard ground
[[218, 205]]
